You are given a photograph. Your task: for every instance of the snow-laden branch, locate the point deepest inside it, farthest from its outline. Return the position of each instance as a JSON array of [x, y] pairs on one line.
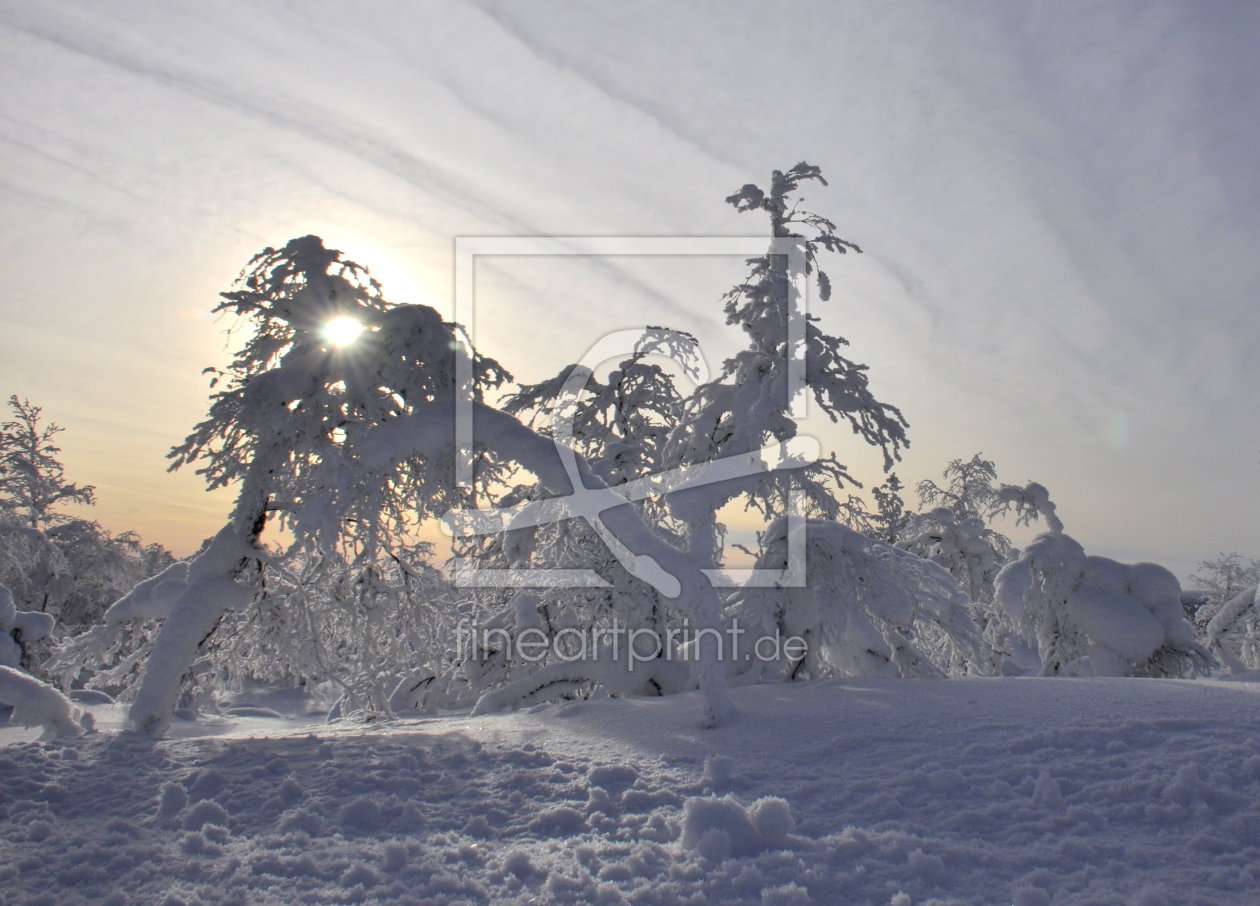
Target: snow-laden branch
[[1030, 502], [1236, 622], [37, 704], [153, 598]]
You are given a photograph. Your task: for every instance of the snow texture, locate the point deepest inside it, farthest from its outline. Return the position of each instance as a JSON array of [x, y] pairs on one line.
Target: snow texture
[[627, 676], [866, 792]]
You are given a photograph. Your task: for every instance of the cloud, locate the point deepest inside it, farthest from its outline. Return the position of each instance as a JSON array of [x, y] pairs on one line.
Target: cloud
[[1059, 202]]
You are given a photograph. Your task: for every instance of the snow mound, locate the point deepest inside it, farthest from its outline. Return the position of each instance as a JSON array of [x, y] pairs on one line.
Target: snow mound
[[37, 704], [719, 829]]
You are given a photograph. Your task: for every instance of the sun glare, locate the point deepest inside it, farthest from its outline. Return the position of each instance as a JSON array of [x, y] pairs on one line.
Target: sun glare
[[341, 331]]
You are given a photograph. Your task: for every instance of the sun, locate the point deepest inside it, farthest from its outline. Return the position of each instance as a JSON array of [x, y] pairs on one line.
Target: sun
[[340, 331]]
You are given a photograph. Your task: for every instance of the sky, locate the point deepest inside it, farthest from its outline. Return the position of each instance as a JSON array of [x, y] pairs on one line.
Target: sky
[[1058, 203]]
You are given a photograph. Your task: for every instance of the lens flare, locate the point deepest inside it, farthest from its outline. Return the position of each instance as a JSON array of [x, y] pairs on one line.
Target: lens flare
[[341, 331]]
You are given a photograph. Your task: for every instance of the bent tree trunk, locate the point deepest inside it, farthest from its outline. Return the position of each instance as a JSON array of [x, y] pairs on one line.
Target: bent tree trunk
[[212, 591]]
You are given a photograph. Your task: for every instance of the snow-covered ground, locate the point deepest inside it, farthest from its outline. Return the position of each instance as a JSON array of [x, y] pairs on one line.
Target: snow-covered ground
[[987, 791]]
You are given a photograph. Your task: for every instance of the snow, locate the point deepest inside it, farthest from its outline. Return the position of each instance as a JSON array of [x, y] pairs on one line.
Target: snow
[[209, 591], [1093, 616], [1238, 613], [869, 609], [151, 599], [18, 627], [37, 704], [880, 791]]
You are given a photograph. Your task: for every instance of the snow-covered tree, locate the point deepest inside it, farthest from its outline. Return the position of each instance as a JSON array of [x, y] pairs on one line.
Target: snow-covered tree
[[19, 629], [346, 444], [617, 427], [890, 509], [1221, 604], [1233, 631], [32, 478], [955, 532], [37, 704], [620, 425], [1226, 576], [747, 405], [327, 361], [63, 567], [745, 408], [970, 487], [1214, 583], [34, 703], [952, 530], [1093, 616]]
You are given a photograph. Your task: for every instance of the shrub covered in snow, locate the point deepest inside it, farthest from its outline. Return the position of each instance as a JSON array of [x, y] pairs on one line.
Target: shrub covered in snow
[[1221, 579], [1221, 604], [1233, 631], [18, 629], [1092, 616], [955, 532], [868, 609], [72, 572], [971, 551]]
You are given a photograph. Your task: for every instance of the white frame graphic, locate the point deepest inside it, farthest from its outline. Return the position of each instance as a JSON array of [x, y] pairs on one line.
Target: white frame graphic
[[467, 574]]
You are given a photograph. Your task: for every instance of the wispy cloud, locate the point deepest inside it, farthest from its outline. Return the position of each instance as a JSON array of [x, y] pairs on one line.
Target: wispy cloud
[[1059, 201]]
